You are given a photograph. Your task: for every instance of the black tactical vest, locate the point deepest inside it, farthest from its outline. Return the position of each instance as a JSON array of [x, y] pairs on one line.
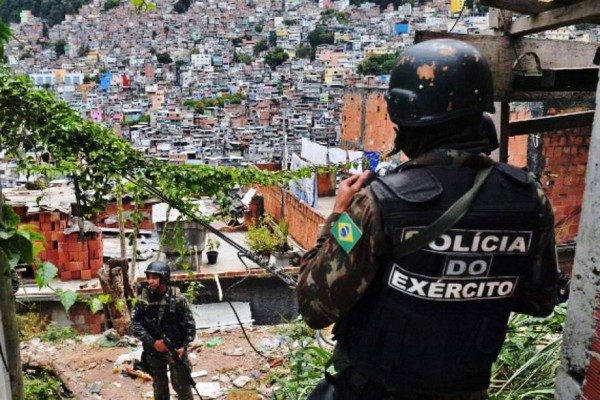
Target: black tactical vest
[[165, 311], [435, 320]]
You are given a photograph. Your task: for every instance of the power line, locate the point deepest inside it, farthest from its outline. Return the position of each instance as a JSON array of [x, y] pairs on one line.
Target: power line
[[459, 15]]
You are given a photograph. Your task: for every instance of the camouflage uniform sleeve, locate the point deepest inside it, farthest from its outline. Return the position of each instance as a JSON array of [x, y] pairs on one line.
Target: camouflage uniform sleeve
[[331, 281], [540, 292], [137, 328], [188, 322]]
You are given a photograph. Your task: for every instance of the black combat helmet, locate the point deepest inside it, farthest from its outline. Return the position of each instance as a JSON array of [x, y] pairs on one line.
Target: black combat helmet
[[489, 129], [159, 268], [439, 80]]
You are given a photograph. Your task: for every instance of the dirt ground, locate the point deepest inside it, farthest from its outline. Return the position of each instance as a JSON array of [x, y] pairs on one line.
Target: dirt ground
[[225, 355]]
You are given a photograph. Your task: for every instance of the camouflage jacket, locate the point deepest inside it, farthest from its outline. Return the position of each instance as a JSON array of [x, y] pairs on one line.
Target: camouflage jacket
[[176, 321], [332, 281]]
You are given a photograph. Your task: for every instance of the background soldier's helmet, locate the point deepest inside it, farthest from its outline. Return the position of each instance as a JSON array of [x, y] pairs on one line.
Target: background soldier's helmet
[[159, 268], [439, 80]]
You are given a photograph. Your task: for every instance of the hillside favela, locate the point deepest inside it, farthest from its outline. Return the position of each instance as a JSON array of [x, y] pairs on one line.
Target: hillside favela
[[188, 189]]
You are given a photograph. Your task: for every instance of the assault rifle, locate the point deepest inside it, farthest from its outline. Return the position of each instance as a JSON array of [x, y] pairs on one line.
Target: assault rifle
[[155, 331]]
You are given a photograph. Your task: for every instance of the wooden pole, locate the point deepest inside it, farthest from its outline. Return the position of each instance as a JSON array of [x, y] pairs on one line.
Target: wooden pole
[[9, 334], [114, 281], [121, 218]]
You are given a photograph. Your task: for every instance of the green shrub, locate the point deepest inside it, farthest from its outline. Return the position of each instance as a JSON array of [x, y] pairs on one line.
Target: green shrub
[[303, 366], [31, 324], [42, 386], [55, 334]]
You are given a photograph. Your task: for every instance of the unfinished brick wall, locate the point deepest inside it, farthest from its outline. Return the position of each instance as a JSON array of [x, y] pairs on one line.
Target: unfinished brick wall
[[109, 218], [303, 221], [365, 122], [83, 321], [566, 155], [74, 259], [80, 260]]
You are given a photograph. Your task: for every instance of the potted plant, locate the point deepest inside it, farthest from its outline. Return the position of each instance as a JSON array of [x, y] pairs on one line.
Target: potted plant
[[260, 239], [212, 246], [270, 238], [283, 251]]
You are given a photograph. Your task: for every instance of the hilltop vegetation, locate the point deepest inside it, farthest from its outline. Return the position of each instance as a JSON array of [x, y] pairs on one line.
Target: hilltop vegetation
[[52, 11]]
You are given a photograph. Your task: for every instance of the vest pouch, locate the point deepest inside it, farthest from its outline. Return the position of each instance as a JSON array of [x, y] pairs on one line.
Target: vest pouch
[[486, 345], [376, 339]]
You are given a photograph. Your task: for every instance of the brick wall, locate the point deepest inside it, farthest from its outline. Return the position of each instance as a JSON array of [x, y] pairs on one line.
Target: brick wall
[[566, 155], [128, 207], [303, 221], [74, 259], [365, 122], [80, 260], [366, 126], [83, 321]]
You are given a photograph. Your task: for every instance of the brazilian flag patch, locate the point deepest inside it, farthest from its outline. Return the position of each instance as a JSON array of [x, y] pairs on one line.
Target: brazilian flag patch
[[346, 232]]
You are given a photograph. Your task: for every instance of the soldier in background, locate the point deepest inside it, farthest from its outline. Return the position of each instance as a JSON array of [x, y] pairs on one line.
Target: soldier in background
[[163, 310], [428, 323]]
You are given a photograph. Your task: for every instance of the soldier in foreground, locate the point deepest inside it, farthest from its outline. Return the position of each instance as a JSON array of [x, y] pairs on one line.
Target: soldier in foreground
[[420, 297], [162, 318]]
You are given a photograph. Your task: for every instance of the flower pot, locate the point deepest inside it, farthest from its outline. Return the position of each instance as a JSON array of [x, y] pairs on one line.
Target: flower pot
[[193, 232], [191, 251], [283, 258], [212, 256]]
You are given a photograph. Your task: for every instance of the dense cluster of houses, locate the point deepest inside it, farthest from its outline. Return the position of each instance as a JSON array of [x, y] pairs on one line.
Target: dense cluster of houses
[[110, 65]]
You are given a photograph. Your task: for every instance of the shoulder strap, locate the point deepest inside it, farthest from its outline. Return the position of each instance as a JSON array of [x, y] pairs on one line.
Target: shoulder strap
[[171, 297], [446, 220]]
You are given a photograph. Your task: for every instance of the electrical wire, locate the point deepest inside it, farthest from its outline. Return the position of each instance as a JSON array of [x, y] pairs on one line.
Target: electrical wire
[[242, 252], [459, 15], [3, 359]]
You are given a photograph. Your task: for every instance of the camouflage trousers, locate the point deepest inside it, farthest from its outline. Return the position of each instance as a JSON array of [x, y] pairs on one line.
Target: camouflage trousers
[[157, 365]]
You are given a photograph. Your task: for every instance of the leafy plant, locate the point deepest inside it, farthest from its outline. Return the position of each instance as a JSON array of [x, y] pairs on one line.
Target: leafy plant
[[280, 234], [268, 236], [212, 244], [31, 324], [55, 334], [260, 239], [526, 367], [191, 292], [304, 364], [42, 386]]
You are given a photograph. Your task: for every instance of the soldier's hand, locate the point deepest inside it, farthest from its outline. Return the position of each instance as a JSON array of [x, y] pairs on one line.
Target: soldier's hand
[[159, 346], [180, 352], [348, 188]]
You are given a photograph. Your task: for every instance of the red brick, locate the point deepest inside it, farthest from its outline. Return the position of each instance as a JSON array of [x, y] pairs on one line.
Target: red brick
[[86, 275], [96, 264], [74, 266], [65, 276]]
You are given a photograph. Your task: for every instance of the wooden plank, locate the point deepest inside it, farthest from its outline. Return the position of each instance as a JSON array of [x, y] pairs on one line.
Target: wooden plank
[[521, 6], [552, 123], [504, 130], [502, 52], [584, 11], [570, 79]]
